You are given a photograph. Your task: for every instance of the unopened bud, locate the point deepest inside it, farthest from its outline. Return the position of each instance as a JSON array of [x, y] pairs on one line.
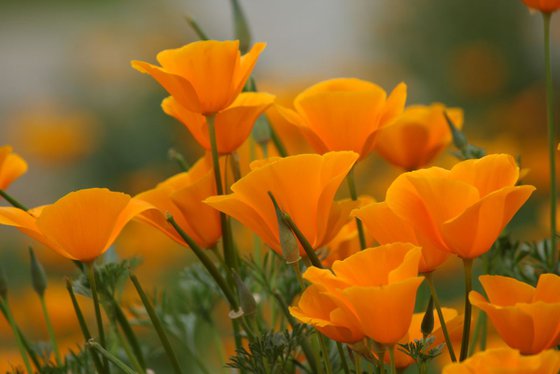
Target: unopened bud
[[427, 325], [459, 139], [288, 240], [38, 276], [246, 299]]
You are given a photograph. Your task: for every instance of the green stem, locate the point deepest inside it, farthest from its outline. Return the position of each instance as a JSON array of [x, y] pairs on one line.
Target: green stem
[[342, 358], [297, 270], [278, 143], [551, 138], [208, 264], [303, 241], [129, 353], [97, 307], [235, 166], [110, 357], [467, 262], [350, 178], [357, 366], [129, 333], [83, 326], [50, 330], [229, 255], [392, 359], [15, 329], [437, 304], [12, 201], [325, 349], [157, 324]]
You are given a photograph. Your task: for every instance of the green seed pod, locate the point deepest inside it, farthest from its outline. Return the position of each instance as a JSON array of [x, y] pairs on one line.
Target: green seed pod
[[427, 325], [38, 276]]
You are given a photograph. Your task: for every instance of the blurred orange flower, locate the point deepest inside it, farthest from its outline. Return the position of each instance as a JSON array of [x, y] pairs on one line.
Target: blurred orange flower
[[304, 187], [344, 114], [506, 360], [546, 6], [205, 76], [386, 227], [81, 225], [12, 166], [527, 318], [417, 136], [373, 291], [233, 124], [462, 210], [182, 195]]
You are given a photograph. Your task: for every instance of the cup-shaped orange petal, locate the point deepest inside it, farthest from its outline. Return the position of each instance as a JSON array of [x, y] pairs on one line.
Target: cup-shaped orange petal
[[233, 124], [386, 227], [316, 308], [507, 360], [462, 210], [416, 137], [527, 318], [304, 187], [205, 76], [12, 166], [182, 196], [546, 6], [81, 225], [376, 287], [344, 114]]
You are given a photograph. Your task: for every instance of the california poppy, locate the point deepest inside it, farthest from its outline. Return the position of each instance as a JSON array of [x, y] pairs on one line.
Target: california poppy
[[12, 166], [462, 210], [506, 360], [181, 196], [344, 114], [374, 291], [304, 187], [205, 76], [79, 226], [233, 124], [527, 318], [416, 137]]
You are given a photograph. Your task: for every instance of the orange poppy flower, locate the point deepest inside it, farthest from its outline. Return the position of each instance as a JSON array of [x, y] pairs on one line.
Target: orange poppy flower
[[304, 187], [417, 136], [205, 76], [462, 210], [374, 291], [344, 114], [12, 166], [527, 318], [81, 225], [182, 195], [506, 360], [452, 321], [233, 124], [386, 227], [546, 6]]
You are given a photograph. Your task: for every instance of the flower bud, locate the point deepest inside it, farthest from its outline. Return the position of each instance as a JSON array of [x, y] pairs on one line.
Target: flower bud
[[246, 299], [427, 325], [288, 240]]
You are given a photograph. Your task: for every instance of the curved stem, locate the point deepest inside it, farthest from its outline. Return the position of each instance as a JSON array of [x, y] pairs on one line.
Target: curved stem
[[437, 304], [50, 330], [12, 322], [467, 262], [110, 357], [12, 201], [551, 138], [96, 305], [354, 195]]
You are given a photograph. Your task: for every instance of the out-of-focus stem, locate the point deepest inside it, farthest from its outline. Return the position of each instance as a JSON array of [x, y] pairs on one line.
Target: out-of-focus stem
[[437, 304], [97, 307], [12, 201], [467, 262], [50, 330], [354, 195], [15, 329]]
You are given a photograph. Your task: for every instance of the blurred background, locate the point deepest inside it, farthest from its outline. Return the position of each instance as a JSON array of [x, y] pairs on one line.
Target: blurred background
[[72, 106]]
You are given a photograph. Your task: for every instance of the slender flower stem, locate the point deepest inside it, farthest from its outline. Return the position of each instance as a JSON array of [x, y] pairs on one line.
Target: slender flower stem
[[357, 366], [129, 353], [342, 358], [551, 138], [15, 329], [97, 307], [392, 358], [304, 242], [325, 349], [467, 262], [83, 326], [128, 332], [350, 178], [12, 201], [229, 255], [110, 357], [208, 264], [437, 304], [157, 324], [278, 143], [26, 345], [50, 330], [297, 270]]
